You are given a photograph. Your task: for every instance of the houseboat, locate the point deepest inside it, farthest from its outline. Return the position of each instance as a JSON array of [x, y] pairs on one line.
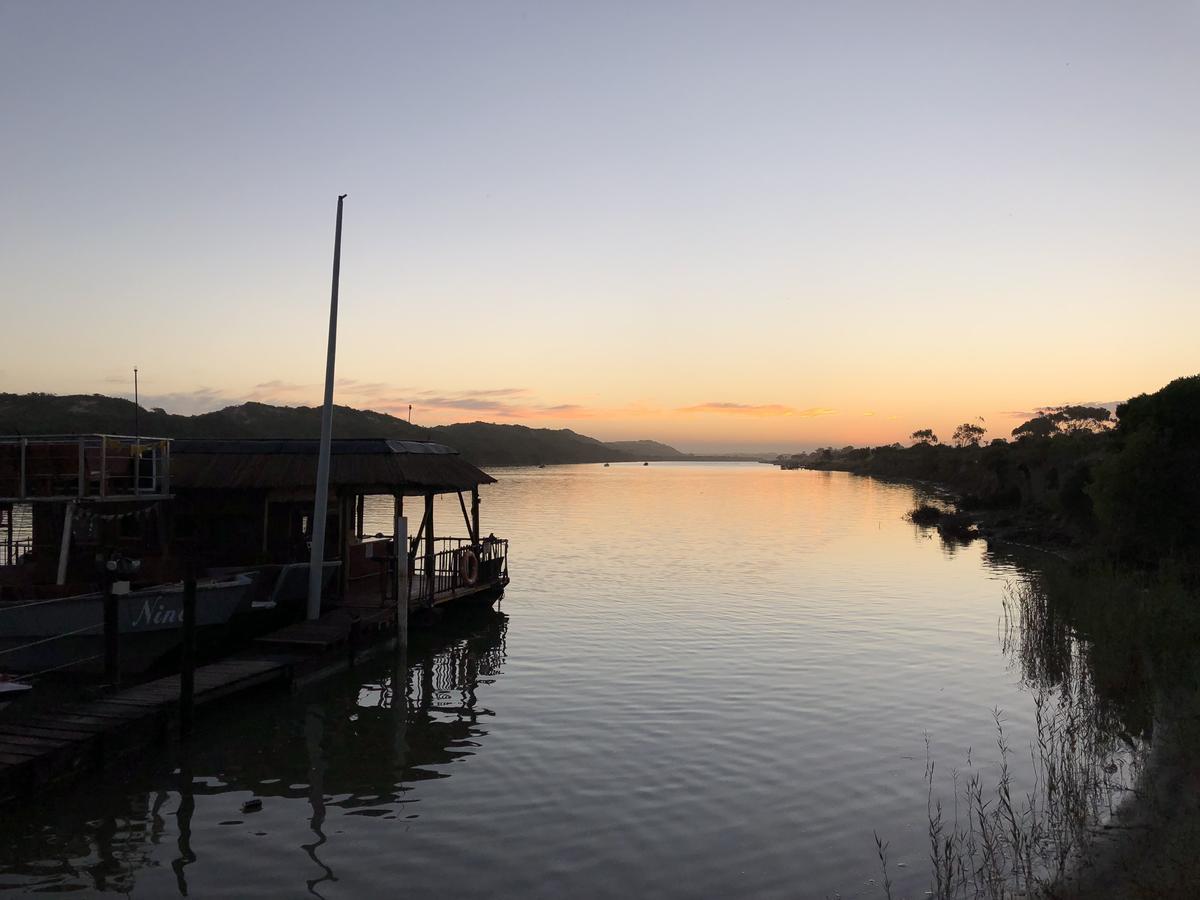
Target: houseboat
[[85, 517]]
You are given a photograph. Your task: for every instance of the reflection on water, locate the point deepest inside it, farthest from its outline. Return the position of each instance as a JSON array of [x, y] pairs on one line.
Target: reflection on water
[[707, 679], [344, 745]]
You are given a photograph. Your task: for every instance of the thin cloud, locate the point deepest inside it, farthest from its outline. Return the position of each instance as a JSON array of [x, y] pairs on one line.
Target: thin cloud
[[283, 386], [742, 409]]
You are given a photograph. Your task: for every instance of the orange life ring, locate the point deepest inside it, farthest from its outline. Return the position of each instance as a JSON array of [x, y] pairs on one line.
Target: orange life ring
[[468, 567]]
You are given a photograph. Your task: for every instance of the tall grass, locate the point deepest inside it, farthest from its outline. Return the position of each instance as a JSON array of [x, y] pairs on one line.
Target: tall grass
[[987, 839]]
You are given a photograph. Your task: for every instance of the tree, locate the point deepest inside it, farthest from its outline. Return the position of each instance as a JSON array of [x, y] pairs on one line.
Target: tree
[[1065, 420], [968, 434], [1146, 494], [924, 436]]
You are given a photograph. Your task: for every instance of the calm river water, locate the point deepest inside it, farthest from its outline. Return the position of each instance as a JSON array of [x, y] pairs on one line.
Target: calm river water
[[705, 680]]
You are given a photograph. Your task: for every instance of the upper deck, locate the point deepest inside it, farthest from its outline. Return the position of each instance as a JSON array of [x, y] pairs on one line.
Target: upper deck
[[62, 468]]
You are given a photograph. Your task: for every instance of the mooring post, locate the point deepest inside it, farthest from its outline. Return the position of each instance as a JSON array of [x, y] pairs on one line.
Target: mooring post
[[400, 553], [187, 656], [430, 551], [475, 516], [112, 635]]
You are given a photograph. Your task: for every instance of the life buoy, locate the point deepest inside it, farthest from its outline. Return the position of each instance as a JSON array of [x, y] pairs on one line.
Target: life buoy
[[468, 567]]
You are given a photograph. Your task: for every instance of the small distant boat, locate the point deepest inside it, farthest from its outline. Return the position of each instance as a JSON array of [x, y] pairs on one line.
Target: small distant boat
[[645, 464], [606, 465]]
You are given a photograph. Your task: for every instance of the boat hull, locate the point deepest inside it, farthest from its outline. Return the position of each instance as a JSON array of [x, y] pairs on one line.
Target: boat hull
[[68, 632]]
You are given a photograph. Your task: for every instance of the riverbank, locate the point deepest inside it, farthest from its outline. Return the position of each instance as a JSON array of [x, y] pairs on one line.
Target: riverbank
[[1148, 846], [1136, 631], [961, 518]]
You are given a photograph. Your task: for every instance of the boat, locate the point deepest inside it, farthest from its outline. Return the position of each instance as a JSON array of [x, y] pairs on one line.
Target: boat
[[61, 632], [83, 517]]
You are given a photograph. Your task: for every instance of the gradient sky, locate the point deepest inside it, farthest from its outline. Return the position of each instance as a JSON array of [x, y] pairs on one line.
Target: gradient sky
[[723, 225]]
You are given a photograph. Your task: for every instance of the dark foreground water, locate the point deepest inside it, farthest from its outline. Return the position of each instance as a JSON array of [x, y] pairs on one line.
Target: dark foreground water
[[705, 680]]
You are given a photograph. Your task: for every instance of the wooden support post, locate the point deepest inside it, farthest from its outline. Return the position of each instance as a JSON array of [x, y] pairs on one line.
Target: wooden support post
[[360, 504], [466, 518], [400, 555], [430, 554], [475, 516], [187, 655], [266, 523], [345, 513], [82, 470], [112, 634]]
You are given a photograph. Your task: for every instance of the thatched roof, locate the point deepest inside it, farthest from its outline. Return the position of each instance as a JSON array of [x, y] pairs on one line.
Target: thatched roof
[[373, 465]]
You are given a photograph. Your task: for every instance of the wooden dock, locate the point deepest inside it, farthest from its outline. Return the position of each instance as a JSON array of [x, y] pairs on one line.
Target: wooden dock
[[45, 746]]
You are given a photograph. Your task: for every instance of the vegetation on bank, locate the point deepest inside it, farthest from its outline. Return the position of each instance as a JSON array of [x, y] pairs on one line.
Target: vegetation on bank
[[1105, 643], [1128, 490], [483, 443]]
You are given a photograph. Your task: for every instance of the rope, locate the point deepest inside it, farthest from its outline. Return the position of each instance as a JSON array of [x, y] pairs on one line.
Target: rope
[[54, 637], [74, 662]]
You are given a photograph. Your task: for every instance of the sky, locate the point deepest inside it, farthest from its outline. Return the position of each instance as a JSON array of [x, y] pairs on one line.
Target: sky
[[738, 225]]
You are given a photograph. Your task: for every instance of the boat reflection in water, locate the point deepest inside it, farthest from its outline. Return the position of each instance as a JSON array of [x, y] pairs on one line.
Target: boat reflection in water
[[353, 744]]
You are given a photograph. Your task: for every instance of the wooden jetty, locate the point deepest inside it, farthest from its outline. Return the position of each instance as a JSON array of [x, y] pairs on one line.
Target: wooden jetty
[[58, 745], [178, 527]]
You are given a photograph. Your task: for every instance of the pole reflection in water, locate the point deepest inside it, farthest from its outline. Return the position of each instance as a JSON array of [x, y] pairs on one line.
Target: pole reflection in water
[[183, 824], [342, 748], [314, 735]]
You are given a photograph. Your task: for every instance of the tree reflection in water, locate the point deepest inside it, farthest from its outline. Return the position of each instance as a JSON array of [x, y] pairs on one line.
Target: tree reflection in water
[[1107, 658]]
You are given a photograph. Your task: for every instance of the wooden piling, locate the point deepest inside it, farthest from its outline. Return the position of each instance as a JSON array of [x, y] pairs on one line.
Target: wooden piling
[[112, 634], [430, 556], [187, 660]]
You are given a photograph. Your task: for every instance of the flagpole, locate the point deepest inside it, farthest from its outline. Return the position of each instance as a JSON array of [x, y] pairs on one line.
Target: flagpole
[[321, 501]]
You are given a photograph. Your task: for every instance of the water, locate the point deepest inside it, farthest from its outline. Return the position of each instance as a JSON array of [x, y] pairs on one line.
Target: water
[[705, 680]]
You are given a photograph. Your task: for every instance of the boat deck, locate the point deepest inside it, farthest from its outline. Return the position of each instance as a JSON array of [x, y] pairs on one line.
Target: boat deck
[[365, 596]]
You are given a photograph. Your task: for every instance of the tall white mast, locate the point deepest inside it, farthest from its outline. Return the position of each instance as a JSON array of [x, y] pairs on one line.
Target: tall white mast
[[321, 501]]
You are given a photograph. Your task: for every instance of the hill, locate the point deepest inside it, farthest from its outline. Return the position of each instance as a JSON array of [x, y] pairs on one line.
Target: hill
[[647, 450], [483, 443]]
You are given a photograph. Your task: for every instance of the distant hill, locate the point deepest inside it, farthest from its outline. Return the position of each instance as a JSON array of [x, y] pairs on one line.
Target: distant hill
[[647, 450], [483, 443]]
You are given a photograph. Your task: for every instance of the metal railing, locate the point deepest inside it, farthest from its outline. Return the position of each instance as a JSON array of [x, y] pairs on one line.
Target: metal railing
[[492, 554], [12, 552], [8, 646], [84, 467]]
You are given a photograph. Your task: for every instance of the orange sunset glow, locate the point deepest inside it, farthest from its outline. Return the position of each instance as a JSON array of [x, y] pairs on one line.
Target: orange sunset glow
[[693, 237]]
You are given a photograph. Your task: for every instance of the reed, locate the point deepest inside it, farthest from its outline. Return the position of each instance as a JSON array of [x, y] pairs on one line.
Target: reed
[[988, 840]]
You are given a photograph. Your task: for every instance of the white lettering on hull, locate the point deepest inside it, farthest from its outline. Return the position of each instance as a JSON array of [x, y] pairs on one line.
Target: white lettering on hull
[[155, 614]]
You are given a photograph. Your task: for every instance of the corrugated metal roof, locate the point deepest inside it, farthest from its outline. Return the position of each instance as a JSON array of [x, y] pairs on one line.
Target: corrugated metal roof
[[370, 465], [308, 446]]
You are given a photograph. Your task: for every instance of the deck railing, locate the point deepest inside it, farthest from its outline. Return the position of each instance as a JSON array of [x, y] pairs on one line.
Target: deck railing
[[84, 467], [491, 552], [13, 551]]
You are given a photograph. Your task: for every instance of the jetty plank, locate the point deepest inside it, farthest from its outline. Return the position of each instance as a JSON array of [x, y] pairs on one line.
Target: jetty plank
[[53, 744]]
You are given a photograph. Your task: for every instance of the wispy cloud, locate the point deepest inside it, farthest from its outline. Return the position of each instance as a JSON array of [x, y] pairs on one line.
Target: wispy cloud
[[740, 409]]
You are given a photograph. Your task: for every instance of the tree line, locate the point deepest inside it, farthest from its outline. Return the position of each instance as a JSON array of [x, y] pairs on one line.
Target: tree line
[[1126, 485]]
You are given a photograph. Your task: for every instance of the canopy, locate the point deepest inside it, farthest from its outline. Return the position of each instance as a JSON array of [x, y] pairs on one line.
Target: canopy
[[371, 465]]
